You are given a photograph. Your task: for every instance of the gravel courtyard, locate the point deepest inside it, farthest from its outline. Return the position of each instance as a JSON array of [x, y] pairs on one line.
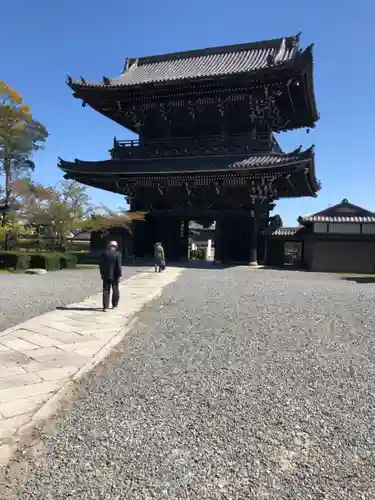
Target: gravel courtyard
[[235, 384], [25, 296]]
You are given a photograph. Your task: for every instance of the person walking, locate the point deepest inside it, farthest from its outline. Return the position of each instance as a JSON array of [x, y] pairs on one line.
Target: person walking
[[110, 267], [159, 257]]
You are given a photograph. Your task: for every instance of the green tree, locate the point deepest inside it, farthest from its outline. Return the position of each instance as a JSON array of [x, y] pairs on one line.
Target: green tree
[[67, 211], [16, 224], [20, 136]]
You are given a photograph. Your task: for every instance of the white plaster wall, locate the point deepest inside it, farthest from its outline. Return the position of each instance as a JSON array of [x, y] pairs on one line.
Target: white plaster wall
[[342, 228], [368, 228], [320, 227]]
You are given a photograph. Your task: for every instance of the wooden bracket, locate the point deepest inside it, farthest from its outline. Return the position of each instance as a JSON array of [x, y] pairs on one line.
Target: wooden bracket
[[217, 187], [187, 188], [290, 184], [161, 189]]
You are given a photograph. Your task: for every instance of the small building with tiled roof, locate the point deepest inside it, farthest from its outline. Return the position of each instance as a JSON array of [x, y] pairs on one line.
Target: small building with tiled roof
[[340, 238], [200, 234]]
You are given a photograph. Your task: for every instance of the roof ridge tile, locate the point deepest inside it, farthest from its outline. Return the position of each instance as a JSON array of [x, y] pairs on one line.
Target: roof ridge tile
[[222, 49], [209, 62]]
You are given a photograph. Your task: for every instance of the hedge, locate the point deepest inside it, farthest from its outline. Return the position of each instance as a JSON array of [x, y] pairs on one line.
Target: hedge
[[68, 261], [51, 261], [14, 260], [198, 254], [86, 257]]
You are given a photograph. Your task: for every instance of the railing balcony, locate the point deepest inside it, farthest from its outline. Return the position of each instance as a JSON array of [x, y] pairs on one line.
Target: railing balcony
[[194, 146]]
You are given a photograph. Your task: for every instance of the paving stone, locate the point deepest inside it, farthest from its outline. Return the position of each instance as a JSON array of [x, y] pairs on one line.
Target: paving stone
[[94, 344], [101, 320], [18, 380], [70, 359], [33, 337], [36, 322], [21, 406], [9, 426], [76, 324], [61, 337], [90, 351], [57, 373], [18, 344], [59, 325], [11, 357], [100, 333], [6, 451], [44, 353], [11, 371], [28, 391]]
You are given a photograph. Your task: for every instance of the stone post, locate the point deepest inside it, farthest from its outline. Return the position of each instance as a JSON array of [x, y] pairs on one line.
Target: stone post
[[209, 249]]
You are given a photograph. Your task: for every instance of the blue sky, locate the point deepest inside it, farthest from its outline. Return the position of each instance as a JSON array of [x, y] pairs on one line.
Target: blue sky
[[43, 41]]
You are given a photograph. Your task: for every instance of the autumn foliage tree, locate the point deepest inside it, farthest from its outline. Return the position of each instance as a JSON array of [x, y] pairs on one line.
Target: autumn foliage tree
[[66, 211], [20, 136]]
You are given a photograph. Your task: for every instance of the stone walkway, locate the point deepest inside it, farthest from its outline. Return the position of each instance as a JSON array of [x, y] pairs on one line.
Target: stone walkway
[[41, 358]]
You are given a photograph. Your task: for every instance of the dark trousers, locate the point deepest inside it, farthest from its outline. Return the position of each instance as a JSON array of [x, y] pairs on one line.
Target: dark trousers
[[107, 285]]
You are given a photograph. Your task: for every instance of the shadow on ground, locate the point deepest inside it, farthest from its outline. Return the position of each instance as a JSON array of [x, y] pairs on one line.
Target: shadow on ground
[[287, 268], [210, 265], [79, 308], [363, 280], [190, 264]]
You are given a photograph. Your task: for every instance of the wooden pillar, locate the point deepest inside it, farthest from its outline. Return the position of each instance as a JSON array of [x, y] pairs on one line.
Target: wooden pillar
[[170, 236], [254, 241], [185, 240], [226, 244], [162, 226], [218, 245], [175, 238], [265, 248]]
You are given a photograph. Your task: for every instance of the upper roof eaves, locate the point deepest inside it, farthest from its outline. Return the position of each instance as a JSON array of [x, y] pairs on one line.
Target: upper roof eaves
[[181, 165], [194, 64]]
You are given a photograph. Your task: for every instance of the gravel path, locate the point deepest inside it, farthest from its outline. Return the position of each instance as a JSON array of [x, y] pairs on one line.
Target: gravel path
[[236, 384], [25, 296]]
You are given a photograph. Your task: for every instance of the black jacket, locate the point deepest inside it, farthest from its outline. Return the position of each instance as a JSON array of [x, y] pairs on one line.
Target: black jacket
[[110, 265]]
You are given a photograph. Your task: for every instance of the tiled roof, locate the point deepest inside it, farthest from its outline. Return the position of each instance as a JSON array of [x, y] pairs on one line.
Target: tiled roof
[[339, 219], [208, 62], [195, 226], [343, 212], [177, 165], [264, 161], [286, 231]]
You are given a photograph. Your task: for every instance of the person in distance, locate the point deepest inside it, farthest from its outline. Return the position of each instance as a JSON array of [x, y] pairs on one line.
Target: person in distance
[[110, 268], [159, 256]]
